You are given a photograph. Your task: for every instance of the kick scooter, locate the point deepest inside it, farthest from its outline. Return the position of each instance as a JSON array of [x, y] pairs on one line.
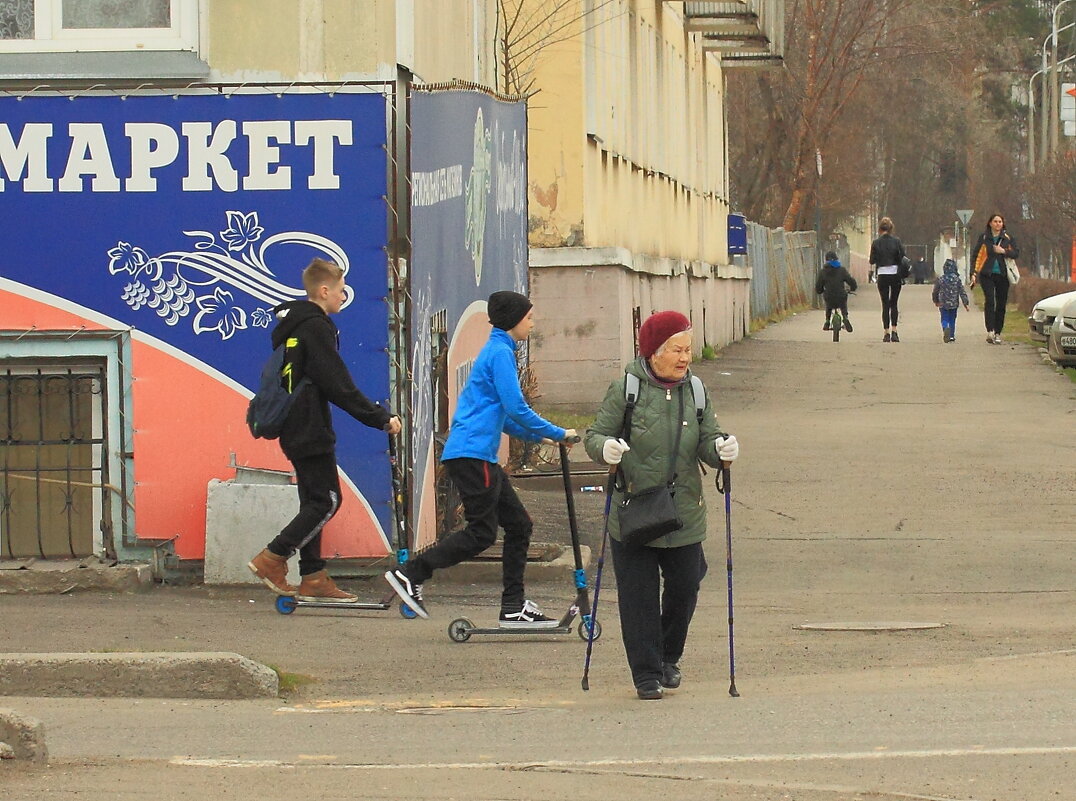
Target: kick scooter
[[461, 629], [286, 604]]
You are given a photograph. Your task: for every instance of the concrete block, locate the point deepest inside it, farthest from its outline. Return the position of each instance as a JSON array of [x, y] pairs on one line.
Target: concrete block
[[24, 735], [136, 675], [240, 519], [488, 571], [46, 577]]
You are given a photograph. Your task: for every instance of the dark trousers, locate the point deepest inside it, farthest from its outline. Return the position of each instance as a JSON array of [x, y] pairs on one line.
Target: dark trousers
[[995, 296], [842, 305], [319, 500], [489, 501], [654, 619], [889, 291]]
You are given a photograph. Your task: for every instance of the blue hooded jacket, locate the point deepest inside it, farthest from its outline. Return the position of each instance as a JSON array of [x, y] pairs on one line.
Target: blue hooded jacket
[[949, 290], [491, 403]]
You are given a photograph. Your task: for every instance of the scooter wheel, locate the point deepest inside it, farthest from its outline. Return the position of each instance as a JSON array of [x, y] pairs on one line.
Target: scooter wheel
[[584, 630], [407, 612], [285, 604], [459, 630]]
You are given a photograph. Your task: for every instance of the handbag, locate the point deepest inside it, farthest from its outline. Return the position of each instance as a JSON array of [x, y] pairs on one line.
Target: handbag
[[1012, 271], [650, 513]]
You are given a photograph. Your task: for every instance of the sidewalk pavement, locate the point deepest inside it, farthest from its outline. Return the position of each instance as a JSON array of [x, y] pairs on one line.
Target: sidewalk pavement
[[917, 483]]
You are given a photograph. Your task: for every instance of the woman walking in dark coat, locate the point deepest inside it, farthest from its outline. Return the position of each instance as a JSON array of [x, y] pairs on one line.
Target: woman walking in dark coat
[[988, 270], [887, 253]]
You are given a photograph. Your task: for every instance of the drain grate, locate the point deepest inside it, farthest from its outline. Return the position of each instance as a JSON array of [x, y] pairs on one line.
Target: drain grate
[[885, 626], [462, 709]]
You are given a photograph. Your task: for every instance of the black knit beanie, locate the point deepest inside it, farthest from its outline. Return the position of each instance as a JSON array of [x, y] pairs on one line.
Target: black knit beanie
[[506, 309]]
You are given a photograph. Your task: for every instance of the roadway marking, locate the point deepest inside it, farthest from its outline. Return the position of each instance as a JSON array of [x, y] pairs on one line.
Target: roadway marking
[[609, 763]]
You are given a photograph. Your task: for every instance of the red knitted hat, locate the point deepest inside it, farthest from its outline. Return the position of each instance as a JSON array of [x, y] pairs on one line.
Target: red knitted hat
[[658, 328]]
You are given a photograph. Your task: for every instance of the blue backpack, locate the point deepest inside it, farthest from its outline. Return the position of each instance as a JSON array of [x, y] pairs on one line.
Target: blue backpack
[[269, 407]]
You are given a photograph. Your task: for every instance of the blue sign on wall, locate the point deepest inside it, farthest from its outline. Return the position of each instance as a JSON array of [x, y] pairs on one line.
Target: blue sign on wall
[[190, 216], [469, 239]]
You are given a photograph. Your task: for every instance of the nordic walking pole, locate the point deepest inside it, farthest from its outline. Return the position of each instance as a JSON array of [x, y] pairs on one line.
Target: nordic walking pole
[[726, 488], [598, 578]]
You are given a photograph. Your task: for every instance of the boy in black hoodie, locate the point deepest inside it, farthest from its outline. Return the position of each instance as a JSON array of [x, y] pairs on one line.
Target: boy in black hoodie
[[832, 279], [312, 351]]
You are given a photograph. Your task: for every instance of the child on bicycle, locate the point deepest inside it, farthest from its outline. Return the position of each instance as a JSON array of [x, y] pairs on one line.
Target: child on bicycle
[[832, 279], [948, 294]]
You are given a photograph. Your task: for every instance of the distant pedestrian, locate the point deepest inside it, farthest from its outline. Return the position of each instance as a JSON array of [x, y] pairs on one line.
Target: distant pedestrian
[[921, 271], [887, 259], [491, 404], [312, 351], [948, 294], [831, 283], [988, 256]]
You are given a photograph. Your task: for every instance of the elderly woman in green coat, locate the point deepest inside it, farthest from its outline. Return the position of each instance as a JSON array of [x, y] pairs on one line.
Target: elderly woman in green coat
[[654, 619]]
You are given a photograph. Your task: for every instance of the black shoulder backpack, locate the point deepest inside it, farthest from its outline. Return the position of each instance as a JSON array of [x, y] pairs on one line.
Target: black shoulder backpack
[[269, 407]]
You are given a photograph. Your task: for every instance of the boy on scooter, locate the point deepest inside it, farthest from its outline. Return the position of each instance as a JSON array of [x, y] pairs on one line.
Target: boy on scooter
[[491, 403]]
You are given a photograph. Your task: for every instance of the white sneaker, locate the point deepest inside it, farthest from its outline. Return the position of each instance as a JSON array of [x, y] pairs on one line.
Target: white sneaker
[[410, 594], [529, 617]]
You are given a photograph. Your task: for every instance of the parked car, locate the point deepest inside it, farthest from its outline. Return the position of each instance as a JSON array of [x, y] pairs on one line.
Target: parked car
[[1062, 342], [1043, 314]]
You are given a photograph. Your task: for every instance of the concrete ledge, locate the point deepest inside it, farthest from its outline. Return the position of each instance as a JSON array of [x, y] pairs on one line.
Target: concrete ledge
[[48, 577], [136, 675], [561, 569], [25, 736]]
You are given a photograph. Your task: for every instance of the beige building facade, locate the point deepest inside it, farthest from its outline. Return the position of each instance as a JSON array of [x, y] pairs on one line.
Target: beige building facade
[[628, 174]]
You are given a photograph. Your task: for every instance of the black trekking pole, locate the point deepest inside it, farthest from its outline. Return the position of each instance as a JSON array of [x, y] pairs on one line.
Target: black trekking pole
[[725, 487], [598, 578]]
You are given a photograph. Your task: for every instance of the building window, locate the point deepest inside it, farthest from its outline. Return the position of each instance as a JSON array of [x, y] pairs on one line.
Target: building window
[[50, 26]]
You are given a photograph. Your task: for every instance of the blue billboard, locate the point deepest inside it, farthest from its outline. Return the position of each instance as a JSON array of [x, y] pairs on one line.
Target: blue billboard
[[469, 239], [186, 217]]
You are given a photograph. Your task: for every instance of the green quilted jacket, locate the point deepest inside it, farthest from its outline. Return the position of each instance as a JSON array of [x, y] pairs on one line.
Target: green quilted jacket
[[656, 413]]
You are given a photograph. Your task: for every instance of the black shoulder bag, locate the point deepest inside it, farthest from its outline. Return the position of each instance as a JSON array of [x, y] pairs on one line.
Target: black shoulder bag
[[650, 513]]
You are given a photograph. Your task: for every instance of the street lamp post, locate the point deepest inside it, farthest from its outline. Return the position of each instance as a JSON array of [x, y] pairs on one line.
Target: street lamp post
[[1054, 78], [1031, 122]]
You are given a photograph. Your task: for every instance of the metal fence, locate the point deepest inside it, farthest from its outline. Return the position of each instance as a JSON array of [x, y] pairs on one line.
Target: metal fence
[[783, 265]]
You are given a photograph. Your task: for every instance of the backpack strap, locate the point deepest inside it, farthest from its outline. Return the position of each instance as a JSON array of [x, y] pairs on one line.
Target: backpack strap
[[699, 392], [631, 396]]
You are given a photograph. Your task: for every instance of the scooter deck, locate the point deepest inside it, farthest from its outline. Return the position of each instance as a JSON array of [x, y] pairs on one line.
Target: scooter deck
[[286, 604]]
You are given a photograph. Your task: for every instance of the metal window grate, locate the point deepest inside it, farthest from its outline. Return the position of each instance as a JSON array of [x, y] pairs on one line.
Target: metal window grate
[[52, 471]]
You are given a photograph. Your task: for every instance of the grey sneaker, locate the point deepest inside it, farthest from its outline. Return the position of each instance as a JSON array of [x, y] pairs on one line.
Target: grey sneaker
[[410, 593], [529, 616]]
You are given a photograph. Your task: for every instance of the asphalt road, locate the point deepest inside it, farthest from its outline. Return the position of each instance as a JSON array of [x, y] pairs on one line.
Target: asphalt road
[[911, 483]]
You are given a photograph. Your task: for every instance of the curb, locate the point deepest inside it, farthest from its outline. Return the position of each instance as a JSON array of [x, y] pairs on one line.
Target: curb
[[24, 735], [59, 577], [561, 569], [219, 675]]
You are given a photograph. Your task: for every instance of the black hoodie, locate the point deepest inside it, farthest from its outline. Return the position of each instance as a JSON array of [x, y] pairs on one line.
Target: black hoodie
[[313, 352]]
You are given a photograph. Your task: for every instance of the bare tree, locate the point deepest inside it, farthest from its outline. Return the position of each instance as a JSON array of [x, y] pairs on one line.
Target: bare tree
[[527, 27]]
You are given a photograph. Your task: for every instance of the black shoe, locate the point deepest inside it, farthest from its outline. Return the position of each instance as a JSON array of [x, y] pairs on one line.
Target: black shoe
[[650, 690], [670, 676], [529, 616], [847, 325], [826, 326], [895, 337], [410, 593], [887, 337]]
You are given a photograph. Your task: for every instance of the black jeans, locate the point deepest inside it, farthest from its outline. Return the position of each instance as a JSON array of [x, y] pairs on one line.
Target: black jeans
[[842, 305], [653, 619], [319, 500], [889, 290], [488, 501], [995, 296]]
